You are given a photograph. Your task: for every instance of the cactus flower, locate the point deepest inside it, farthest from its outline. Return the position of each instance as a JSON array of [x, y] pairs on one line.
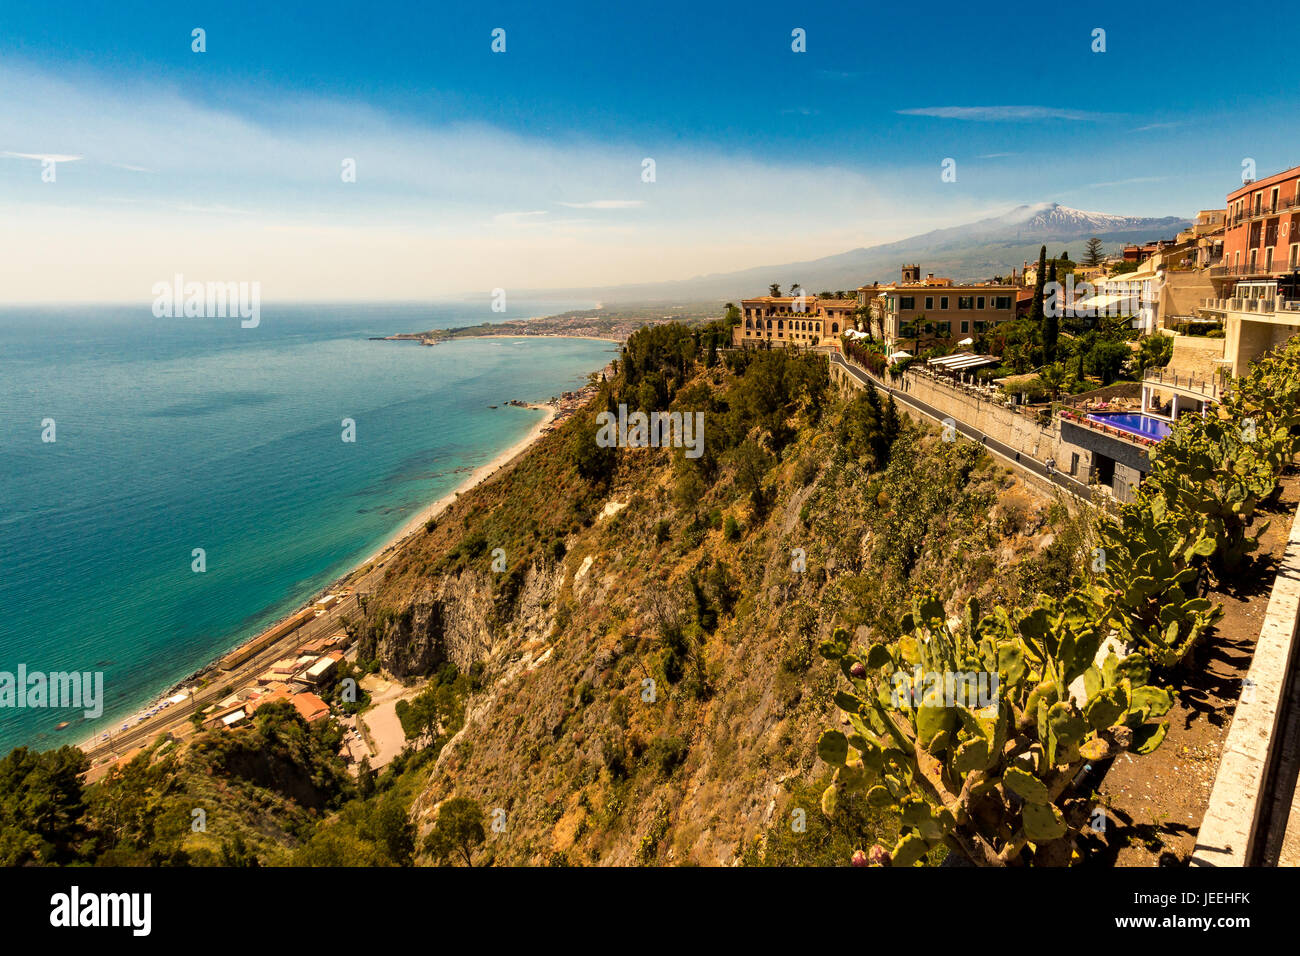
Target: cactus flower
[[859, 858]]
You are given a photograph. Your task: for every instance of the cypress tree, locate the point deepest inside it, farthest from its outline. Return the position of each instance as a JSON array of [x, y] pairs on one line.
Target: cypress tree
[[1036, 307], [1051, 324]]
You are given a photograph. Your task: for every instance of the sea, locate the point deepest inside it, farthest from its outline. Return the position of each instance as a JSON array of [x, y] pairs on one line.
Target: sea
[[175, 436]]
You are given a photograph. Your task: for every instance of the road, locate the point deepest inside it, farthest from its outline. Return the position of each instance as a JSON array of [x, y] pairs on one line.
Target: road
[[1012, 457]]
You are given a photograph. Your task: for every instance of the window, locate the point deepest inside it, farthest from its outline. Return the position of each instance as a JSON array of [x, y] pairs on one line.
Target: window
[[943, 302], [929, 302], [1268, 259], [979, 303], [1272, 200], [1001, 302], [965, 327], [965, 301], [981, 326], [907, 302], [943, 328], [1295, 256]]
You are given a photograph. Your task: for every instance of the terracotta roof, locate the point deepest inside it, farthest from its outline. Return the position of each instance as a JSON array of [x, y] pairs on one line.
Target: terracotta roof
[[311, 707]]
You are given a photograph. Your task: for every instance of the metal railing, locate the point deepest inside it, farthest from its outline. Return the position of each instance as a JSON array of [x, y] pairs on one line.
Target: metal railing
[[1255, 306], [1209, 387]]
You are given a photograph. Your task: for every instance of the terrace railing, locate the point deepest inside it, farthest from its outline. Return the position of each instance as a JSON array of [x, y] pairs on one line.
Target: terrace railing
[[1208, 386]]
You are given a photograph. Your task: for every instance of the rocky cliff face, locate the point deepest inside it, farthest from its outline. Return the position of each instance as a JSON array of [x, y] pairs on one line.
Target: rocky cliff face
[[652, 691], [458, 619]]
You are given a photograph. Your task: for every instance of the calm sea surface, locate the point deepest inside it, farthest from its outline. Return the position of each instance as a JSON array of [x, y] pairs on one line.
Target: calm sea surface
[[176, 434]]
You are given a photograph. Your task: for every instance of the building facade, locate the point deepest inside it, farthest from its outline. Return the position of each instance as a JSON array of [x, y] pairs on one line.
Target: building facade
[[1262, 231], [799, 320], [935, 311]]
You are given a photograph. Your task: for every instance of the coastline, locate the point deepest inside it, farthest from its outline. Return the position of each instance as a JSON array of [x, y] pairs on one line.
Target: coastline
[[390, 547], [475, 478]]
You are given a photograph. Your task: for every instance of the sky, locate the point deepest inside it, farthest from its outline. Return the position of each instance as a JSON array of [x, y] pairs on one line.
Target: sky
[[523, 169]]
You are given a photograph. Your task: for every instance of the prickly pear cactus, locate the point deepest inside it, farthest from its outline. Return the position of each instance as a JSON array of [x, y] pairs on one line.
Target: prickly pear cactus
[[986, 774], [1148, 588]]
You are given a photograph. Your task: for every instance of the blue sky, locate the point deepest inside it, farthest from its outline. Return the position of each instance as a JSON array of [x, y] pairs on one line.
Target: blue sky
[[479, 170]]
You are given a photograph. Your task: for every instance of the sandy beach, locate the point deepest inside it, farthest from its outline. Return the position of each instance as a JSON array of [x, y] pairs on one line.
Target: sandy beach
[[416, 523]]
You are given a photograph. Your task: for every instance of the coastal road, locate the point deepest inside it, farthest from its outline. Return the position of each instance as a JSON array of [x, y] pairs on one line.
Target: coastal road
[[1004, 451]]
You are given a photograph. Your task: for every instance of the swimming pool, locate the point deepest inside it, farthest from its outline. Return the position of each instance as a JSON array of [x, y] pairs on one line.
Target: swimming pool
[[1134, 423]]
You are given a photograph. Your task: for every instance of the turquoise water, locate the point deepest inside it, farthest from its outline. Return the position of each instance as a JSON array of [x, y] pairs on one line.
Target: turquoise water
[[176, 434]]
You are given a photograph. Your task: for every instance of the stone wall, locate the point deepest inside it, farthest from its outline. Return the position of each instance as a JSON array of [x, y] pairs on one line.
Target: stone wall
[[989, 416]]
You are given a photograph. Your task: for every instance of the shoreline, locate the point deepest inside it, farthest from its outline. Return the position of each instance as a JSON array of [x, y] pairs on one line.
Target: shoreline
[[474, 479], [419, 337], [392, 545], [389, 548]]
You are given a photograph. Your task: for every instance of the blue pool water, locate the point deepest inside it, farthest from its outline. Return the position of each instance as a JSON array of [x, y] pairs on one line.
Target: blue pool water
[[1135, 423]]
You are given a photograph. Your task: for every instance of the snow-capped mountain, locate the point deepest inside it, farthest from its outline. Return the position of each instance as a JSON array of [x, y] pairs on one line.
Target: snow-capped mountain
[[1058, 221], [972, 251]]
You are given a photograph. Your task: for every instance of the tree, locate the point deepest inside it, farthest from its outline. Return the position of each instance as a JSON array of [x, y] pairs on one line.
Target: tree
[[1052, 322], [40, 805], [752, 463], [1036, 306], [773, 289], [1092, 254], [1106, 360], [1052, 378], [457, 832]]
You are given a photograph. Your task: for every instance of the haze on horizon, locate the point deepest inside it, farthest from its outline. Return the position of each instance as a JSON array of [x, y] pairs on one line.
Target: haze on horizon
[[523, 170]]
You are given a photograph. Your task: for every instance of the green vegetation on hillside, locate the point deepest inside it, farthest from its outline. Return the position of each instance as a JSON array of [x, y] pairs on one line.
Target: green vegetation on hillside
[[995, 783]]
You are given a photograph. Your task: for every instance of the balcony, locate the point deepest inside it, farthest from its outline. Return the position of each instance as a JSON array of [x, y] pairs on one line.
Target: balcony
[[1186, 382], [1283, 205], [1288, 308]]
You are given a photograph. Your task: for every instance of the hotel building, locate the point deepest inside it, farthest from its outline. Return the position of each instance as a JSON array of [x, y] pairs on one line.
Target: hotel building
[[922, 313], [804, 320]]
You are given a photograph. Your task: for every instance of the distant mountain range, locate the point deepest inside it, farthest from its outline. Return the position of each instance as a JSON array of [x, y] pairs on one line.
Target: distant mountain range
[[977, 250]]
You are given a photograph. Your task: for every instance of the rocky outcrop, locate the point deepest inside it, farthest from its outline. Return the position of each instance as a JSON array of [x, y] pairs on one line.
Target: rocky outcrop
[[463, 618]]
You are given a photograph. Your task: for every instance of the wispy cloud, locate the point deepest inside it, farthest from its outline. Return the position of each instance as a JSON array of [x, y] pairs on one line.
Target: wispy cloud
[[1151, 126], [994, 155], [1001, 114], [605, 204], [43, 157]]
